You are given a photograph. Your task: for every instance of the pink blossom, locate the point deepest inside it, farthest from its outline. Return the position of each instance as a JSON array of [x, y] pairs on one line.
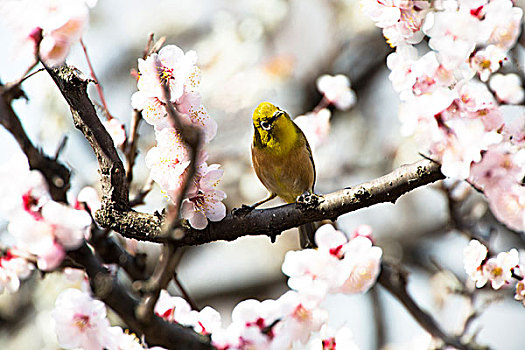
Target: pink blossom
[[487, 61], [124, 340], [60, 24], [507, 87], [464, 146], [176, 309], [499, 270], [116, 130], [153, 109], [330, 339], [194, 113], [502, 23], [507, 203], [203, 201], [168, 160], [171, 66], [473, 256], [453, 34], [363, 262], [336, 89], [520, 292], [315, 126], [12, 269], [301, 317], [89, 196], [70, 226], [81, 321]]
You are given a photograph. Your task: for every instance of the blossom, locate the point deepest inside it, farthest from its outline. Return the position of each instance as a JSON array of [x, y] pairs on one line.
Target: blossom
[[330, 339], [81, 321], [337, 266], [194, 113], [464, 146], [176, 309], [116, 130], [124, 340], [315, 126], [12, 269], [473, 256], [203, 201], [336, 89], [507, 203], [153, 109], [487, 61], [52, 25], [507, 87], [520, 291], [170, 66], [499, 270], [168, 160], [363, 262]]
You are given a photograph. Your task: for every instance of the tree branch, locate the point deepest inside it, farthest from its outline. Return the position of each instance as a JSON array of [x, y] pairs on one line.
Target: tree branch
[[56, 174], [157, 331], [394, 280], [72, 84]]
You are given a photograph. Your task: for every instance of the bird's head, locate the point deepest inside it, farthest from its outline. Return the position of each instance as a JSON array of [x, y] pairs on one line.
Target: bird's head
[[272, 125]]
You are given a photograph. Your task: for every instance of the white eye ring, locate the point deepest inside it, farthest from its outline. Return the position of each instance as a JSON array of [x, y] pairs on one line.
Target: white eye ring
[[265, 125]]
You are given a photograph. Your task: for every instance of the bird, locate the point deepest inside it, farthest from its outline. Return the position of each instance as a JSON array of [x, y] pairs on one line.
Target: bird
[[283, 161]]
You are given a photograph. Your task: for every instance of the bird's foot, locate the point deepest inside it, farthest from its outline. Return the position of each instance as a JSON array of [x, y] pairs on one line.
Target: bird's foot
[[308, 200], [243, 210]]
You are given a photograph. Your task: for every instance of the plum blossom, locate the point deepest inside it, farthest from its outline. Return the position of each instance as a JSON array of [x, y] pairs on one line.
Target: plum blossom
[[52, 25], [330, 339], [176, 309], [336, 89], [507, 87], [507, 203], [473, 256], [194, 113], [124, 340], [116, 130], [337, 266], [499, 270], [13, 268], [171, 66], [168, 160], [203, 200], [487, 61], [520, 292], [464, 146], [315, 126], [81, 322]]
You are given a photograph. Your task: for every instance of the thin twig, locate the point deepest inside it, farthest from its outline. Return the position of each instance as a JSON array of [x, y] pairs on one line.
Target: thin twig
[[131, 145], [184, 292], [98, 86]]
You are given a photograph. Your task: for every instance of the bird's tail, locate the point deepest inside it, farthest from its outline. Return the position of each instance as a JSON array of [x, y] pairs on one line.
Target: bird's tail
[[306, 235]]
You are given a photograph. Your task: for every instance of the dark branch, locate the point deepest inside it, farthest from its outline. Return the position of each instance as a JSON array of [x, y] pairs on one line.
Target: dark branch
[[56, 174], [72, 84], [394, 280], [157, 331]]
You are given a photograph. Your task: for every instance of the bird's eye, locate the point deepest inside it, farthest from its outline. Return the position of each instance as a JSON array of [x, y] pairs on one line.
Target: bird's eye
[[265, 125]]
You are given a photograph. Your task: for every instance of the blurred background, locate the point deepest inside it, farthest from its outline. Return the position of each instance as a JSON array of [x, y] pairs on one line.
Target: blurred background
[[249, 52]]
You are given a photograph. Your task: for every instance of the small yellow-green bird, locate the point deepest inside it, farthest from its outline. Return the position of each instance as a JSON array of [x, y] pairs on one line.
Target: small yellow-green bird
[[283, 160]]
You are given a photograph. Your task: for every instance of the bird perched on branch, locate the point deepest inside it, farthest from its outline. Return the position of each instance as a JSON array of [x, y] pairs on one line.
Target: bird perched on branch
[[283, 160]]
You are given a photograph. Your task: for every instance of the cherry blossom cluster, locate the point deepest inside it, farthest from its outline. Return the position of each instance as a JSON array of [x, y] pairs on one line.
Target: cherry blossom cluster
[[295, 320], [42, 228], [477, 135], [500, 270], [316, 124], [81, 322], [168, 161], [52, 26]]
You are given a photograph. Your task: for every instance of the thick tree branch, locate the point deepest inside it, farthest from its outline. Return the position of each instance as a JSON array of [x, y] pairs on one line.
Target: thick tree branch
[[72, 84], [273, 221]]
